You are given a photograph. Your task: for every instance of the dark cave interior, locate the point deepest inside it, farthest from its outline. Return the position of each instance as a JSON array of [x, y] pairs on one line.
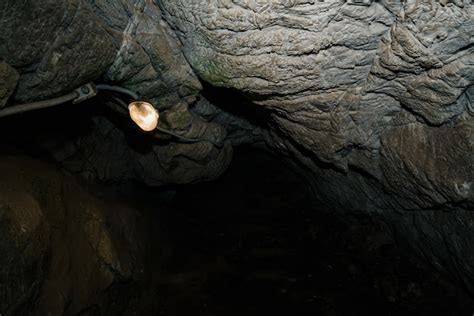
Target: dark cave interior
[[261, 248], [233, 157], [252, 242]]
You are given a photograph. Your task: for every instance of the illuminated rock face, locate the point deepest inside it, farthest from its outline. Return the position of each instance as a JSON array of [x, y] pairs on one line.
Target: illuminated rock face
[[344, 83], [334, 76], [374, 102], [56, 47]]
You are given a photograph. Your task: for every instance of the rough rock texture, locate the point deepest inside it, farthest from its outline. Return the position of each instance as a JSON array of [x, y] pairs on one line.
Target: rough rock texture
[[425, 61], [334, 75], [108, 153], [374, 102], [149, 60], [8, 80], [53, 45], [430, 166], [58, 46], [64, 250], [240, 128]]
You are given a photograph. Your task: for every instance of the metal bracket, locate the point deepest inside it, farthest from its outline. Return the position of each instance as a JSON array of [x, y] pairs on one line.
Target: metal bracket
[[85, 92]]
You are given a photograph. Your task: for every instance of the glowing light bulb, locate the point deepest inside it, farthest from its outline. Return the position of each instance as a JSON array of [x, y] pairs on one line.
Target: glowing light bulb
[[144, 115]]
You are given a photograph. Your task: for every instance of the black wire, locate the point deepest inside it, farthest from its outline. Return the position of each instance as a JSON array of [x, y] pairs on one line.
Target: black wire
[[166, 131]]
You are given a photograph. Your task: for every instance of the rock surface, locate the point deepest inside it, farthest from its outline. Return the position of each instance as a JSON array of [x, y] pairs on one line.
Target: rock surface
[[8, 80], [374, 102], [40, 39], [57, 47], [333, 75], [108, 153], [63, 249]]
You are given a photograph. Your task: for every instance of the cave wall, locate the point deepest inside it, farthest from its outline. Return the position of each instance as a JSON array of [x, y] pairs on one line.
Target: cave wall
[[372, 103], [343, 82], [50, 48], [64, 250]]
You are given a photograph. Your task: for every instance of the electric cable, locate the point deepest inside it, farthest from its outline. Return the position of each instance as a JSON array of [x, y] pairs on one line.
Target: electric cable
[[20, 108], [85, 92], [167, 131]]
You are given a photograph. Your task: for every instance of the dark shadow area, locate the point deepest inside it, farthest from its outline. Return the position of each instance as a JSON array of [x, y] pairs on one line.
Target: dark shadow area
[[36, 133], [28, 131], [236, 103], [252, 244]]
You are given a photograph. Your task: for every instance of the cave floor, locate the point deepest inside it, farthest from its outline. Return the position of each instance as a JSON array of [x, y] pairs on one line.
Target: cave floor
[[250, 244]]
